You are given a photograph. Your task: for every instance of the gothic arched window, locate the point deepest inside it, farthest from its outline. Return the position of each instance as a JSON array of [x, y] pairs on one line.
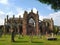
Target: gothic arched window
[[31, 21]]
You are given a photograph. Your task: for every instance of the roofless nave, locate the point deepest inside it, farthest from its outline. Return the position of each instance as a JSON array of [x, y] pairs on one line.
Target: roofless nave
[[30, 23]]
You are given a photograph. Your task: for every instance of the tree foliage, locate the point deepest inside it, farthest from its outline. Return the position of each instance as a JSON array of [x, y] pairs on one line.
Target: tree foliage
[[55, 4], [56, 29]]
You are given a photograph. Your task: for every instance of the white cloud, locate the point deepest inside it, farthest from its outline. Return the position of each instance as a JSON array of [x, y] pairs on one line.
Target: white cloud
[[4, 1], [1, 12], [41, 17], [55, 16], [20, 12], [10, 13], [34, 10], [1, 21], [1, 17]]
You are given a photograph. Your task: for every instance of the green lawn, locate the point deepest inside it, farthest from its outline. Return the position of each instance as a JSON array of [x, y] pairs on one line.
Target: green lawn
[[26, 40]]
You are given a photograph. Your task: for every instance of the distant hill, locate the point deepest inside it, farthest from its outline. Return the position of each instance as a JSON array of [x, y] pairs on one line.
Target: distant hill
[[56, 26]]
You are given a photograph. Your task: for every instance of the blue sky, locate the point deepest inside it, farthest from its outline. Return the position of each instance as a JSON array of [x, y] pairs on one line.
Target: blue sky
[[17, 7]]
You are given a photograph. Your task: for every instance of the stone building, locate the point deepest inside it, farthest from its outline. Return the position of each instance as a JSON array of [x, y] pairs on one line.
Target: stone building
[[47, 25], [30, 23]]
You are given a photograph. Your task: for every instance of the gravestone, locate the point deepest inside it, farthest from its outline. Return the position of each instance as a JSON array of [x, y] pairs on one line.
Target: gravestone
[[1, 33], [58, 33], [52, 37], [12, 36]]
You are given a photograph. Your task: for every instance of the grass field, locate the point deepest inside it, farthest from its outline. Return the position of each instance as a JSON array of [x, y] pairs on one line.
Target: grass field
[[26, 40]]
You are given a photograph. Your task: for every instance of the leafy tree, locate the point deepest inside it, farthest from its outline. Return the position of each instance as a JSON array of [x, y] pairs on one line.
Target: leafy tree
[[55, 4], [56, 29]]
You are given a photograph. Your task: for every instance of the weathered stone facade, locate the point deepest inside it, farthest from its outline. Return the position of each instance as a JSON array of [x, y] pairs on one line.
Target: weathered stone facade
[[28, 24], [46, 25]]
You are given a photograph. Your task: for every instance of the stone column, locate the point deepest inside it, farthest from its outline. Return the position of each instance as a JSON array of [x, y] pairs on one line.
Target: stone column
[[18, 28], [24, 22], [19, 22], [24, 27], [37, 26], [4, 26], [52, 24], [43, 28], [13, 18], [47, 29], [7, 19], [11, 26], [12, 34], [12, 30]]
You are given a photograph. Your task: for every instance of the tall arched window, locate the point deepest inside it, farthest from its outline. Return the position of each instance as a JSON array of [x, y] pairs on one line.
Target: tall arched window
[[31, 21]]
